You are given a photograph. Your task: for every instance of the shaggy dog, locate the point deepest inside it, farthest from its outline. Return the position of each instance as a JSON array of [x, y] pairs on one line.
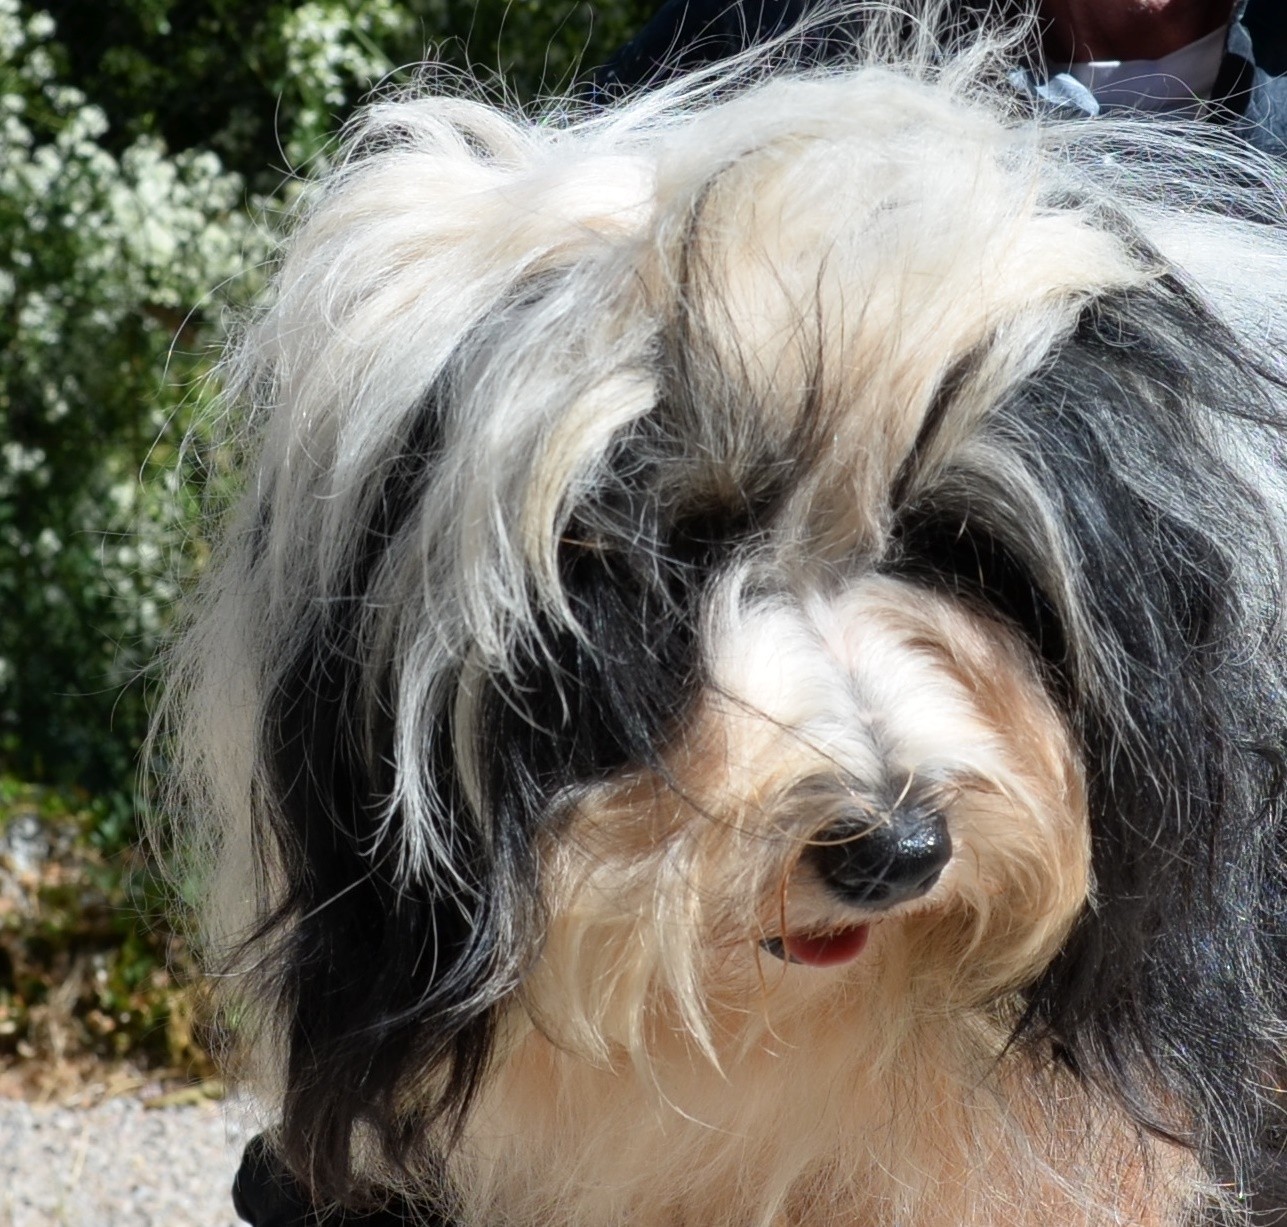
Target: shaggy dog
[[746, 686]]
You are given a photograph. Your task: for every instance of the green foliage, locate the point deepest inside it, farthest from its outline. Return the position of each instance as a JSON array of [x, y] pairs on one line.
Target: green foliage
[[104, 259], [261, 85], [80, 973]]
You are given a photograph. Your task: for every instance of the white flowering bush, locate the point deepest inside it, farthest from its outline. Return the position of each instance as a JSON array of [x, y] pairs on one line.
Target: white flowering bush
[[334, 48], [110, 268]]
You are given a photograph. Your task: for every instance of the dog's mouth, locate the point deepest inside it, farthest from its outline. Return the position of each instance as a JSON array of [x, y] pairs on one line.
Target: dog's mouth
[[819, 949]]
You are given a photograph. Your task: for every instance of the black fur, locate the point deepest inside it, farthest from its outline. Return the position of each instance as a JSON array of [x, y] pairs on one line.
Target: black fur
[[1182, 739], [388, 982]]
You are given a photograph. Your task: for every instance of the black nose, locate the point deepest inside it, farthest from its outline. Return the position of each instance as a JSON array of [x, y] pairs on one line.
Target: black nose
[[878, 862]]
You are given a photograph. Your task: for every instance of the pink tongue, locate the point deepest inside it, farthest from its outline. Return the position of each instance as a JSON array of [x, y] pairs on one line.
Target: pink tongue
[[829, 949]]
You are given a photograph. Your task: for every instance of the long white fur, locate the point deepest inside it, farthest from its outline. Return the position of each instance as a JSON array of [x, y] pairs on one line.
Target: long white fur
[[658, 1069]]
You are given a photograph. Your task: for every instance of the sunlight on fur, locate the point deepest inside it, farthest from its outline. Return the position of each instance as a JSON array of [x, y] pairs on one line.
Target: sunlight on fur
[[745, 685]]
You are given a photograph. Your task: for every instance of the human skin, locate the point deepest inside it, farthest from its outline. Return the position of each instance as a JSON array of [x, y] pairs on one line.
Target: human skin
[[1082, 30]]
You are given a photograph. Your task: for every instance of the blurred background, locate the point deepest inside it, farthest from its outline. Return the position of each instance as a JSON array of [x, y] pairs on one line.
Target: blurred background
[[149, 150]]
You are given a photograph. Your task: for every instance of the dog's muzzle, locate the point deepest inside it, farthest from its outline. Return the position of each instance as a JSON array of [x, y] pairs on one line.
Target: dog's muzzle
[[868, 857]]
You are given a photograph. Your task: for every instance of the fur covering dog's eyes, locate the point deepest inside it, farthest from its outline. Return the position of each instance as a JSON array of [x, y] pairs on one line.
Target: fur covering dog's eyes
[[746, 684]]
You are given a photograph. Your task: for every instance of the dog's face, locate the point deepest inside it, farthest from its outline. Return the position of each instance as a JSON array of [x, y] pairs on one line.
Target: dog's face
[[821, 742], [871, 781], [734, 617]]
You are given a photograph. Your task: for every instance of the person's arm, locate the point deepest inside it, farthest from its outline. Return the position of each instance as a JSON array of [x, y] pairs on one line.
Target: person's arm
[[685, 34]]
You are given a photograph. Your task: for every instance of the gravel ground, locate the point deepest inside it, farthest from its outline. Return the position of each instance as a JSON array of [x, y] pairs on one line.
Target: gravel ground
[[117, 1164]]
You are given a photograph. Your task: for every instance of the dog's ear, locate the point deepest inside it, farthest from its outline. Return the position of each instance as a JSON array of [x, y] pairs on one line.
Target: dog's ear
[[390, 976], [381, 977], [398, 885], [1161, 552]]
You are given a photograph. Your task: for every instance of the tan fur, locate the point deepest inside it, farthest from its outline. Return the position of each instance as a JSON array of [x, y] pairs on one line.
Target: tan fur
[[663, 1071]]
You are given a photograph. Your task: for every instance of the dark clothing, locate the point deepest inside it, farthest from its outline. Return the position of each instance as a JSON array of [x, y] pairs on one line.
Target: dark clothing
[[265, 1194], [1250, 95], [1255, 91]]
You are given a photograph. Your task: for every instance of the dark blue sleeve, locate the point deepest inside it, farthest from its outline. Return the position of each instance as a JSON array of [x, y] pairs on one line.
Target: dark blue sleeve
[[1266, 23], [1265, 119], [1252, 95], [686, 34]]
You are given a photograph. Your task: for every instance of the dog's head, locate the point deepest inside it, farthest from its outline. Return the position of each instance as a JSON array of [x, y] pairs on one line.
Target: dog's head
[[762, 563]]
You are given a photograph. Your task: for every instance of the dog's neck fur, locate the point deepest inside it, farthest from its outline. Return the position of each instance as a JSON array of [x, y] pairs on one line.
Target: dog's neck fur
[[559, 1141]]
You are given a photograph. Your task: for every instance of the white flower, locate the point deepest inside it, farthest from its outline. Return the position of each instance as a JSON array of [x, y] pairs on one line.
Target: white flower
[[39, 65], [21, 459], [41, 26]]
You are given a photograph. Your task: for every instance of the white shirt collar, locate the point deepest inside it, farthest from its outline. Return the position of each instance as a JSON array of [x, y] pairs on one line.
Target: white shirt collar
[[1173, 83]]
